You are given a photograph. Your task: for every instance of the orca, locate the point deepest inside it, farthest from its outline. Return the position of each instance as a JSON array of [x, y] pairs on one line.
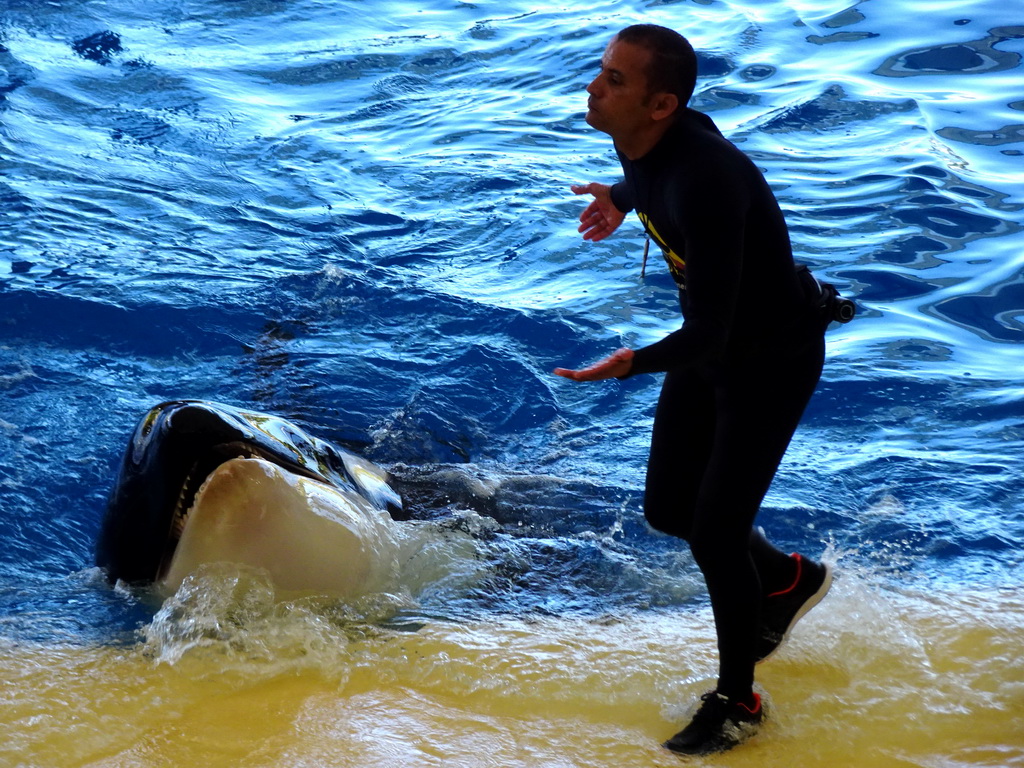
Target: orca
[[205, 482]]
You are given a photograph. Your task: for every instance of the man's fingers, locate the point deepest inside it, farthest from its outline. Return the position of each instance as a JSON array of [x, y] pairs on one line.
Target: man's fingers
[[596, 231], [602, 369]]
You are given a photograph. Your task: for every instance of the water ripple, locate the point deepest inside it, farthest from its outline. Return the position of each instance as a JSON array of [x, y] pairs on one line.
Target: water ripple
[[360, 219]]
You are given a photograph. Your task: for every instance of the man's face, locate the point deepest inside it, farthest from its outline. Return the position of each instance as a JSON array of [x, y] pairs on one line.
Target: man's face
[[618, 103]]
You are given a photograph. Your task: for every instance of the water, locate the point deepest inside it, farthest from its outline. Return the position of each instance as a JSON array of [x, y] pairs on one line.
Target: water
[[357, 216]]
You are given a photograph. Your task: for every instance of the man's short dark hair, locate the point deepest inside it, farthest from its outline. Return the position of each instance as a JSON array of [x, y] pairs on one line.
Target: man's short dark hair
[[673, 67]]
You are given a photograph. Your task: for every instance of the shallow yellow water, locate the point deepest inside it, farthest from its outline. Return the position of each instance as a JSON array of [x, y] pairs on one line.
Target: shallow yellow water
[[871, 678]]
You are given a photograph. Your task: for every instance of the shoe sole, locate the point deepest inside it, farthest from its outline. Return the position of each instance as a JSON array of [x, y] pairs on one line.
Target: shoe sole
[[809, 603]]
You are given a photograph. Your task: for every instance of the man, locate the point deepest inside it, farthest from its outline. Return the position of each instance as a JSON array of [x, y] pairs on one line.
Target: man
[[739, 372]]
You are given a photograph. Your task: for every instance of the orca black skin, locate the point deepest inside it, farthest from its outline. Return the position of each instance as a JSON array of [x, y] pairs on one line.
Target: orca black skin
[[175, 447]]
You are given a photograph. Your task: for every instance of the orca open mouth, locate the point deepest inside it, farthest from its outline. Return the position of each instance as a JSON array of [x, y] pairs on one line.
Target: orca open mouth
[[199, 476], [178, 446]]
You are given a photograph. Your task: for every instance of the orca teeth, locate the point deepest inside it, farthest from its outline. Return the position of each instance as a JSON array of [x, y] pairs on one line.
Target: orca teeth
[[181, 510], [198, 493], [187, 499]]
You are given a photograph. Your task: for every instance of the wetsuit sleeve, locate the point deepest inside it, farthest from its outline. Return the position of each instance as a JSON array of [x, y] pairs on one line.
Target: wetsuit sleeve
[[711, 219], [622, 197]]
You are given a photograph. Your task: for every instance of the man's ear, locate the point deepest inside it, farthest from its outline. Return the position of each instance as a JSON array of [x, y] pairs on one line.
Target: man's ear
[[664, 105]]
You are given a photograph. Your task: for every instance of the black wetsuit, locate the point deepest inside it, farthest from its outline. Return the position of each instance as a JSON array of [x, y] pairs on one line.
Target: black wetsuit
[[740, 371]]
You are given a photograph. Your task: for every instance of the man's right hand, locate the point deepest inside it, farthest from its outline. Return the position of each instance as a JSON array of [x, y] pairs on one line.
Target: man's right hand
[[615, 366], [601, 217]]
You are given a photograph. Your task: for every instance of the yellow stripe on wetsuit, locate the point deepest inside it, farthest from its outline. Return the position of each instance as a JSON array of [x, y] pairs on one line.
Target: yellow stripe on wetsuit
[[676, 263]]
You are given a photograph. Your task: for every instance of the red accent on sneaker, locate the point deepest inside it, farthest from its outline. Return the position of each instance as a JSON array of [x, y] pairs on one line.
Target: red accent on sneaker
[[799, 572], [757, 704]]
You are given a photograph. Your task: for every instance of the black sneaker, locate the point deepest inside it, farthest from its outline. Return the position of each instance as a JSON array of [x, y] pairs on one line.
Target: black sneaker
[[781, 610], [719, 724]]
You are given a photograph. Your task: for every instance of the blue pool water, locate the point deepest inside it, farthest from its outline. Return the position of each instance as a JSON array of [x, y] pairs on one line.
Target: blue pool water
[[356, 215]]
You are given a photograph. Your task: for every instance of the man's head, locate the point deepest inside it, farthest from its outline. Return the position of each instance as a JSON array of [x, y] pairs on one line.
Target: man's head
[[672, 67], [647, 75]]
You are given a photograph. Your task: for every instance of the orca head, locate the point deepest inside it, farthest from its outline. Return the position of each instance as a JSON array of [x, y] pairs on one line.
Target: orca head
[[177, 446]]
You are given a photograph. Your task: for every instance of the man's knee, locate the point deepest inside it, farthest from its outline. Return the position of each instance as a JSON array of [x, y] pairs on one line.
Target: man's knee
[[673, 522]]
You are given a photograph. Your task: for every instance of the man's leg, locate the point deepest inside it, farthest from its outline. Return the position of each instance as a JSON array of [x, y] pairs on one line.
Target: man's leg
[[757, 412]]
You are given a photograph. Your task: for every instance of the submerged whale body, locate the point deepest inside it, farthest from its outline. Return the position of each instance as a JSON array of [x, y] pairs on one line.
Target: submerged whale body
[[204, 482]]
